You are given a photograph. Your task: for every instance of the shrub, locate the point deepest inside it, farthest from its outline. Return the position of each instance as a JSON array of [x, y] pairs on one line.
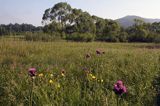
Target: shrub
[[86, 37], [109, 37], [157, 39], [42, 36], [123, 37]]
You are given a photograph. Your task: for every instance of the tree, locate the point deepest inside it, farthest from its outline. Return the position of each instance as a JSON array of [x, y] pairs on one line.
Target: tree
[[78, 25], [123, 36], [155, 27], [17, 29], [80, 22], [139, 22], [100, 25], [111, 31], [58, 13], [2, 30], [84, 24], [137, 34], [75, 13], [52, 27]]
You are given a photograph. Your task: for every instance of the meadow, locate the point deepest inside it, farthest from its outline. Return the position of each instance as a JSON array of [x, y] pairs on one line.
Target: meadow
[[73, 74]]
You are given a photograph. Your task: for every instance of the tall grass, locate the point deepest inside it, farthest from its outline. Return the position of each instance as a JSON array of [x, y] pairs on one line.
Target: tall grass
[[136, 66]]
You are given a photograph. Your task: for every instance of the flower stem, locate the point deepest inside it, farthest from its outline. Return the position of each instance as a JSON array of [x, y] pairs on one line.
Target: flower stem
[[31, 93], [117, 100]]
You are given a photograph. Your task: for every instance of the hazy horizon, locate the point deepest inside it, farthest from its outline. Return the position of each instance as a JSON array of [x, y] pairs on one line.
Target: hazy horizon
[[31, 12]]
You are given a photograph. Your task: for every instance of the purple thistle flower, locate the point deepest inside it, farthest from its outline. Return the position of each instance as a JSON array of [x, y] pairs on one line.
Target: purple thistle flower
[[98, 52], [88, 55], [119, 88], [32, 72]]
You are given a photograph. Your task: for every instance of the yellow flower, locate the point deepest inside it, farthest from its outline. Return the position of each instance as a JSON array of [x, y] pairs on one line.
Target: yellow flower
[[93, 77], [63, 74], [101, 80], [33, 77], [40, 75], [51, 81], [58, 85], [51, 75]]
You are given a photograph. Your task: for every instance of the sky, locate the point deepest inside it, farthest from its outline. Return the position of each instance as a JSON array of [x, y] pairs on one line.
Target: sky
[[31, 11]]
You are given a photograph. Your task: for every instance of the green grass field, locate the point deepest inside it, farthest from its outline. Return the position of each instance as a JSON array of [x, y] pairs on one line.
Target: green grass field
[[135, 64]]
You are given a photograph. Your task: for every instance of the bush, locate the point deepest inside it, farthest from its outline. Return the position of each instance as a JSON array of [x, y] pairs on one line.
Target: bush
[[86, 37], [42, 37], [109, 37], [123, 37], [157, 39]]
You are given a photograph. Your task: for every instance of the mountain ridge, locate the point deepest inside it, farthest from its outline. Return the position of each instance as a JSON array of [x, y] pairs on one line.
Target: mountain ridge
[[128, 20]]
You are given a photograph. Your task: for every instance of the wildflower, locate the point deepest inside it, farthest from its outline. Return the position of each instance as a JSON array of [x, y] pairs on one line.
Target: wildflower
[[63, 72], [32, 72], [51, 81], [90, 75], [119, 88], [93, 77], [58, 85], [51, 75], [101, 80], [88, 55], [33, 77], [98, 52], [40, 75]]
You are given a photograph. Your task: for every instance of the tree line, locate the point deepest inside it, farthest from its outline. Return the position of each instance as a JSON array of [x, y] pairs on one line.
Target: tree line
[[16, 29], [75, 24], [64, 22]]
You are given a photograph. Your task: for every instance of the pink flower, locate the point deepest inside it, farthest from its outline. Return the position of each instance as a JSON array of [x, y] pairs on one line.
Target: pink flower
[[119, 82], [88, 55], [99, 52], [119, 88], [32, 72]]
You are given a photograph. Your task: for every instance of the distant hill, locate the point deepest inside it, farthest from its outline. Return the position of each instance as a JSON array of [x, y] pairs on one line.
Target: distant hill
[[129, 20]]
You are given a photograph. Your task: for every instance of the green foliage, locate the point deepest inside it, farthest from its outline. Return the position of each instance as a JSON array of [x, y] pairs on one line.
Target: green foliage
[[17, 29], [52, 28], [84, 37], [123, 36], [139, 32], [84, 24], [58, 13], [109, 37], [42, 37], [157, 39], [110, 32], [62, 18]]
